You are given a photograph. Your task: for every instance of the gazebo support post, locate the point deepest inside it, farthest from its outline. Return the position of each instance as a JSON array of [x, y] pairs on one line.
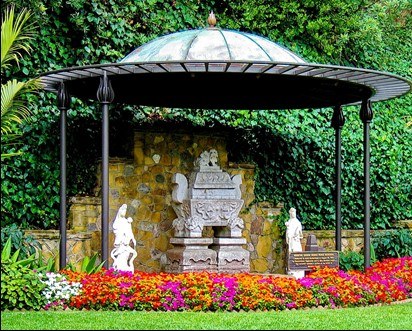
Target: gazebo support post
[[338, 120], [63, 103], [105, 95], [366, 115]]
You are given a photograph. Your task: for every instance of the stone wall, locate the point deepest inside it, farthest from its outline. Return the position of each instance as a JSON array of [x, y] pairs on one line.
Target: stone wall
[[352, 240], [143, 182], [79, 244]]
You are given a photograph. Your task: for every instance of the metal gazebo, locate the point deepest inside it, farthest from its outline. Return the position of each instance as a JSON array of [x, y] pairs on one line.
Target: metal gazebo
[[216, 68]]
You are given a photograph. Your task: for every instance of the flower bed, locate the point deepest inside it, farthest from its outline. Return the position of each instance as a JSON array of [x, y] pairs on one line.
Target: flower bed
[[384, 282]]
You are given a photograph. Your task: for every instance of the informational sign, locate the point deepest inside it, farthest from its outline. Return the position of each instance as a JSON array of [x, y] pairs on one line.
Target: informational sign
[[308, 260]]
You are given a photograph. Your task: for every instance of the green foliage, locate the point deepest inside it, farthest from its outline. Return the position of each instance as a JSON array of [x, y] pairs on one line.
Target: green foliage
[[22, 255], [8, 255], [26, 244], [280, 221], [88, 265], [293, 150], [392, 243], [20, 282], [45, 265], [347, 32], [351, 260], [30, 186], [16, 33], [20, 285]]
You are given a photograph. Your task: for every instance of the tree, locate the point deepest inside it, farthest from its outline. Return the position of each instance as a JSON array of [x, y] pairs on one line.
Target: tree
[[16, 33]]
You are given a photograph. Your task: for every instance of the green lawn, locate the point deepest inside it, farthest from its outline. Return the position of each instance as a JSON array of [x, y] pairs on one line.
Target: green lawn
[[387, 317]]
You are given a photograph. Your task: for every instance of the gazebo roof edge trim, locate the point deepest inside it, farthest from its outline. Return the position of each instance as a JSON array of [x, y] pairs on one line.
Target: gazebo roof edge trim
[[384, 85]]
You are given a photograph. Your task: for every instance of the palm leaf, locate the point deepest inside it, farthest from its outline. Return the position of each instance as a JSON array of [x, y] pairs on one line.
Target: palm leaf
[[16, 33], [13, 106], [9, 141]]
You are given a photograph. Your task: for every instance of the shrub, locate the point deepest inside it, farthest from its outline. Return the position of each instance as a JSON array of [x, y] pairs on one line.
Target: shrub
[[20, 287], [26, 247], [393, 243], [351, 260]]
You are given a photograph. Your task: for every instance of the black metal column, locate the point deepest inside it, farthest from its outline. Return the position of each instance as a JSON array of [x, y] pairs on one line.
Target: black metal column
[[366, 115], [63, 102], [105, 95], [338, 120]]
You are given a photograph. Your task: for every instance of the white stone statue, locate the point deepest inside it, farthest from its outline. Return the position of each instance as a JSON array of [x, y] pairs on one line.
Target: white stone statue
[[293, 232], [123, 254]]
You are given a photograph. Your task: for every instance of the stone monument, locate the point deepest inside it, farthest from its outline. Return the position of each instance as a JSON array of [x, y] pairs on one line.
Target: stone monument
[[208, 197], [299, 263], [123, 254]]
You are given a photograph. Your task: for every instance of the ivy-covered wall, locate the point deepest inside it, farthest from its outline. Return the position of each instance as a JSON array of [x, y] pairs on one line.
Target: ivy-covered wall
[[293, 150]]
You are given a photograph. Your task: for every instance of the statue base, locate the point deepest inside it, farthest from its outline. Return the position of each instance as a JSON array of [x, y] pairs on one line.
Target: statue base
[[231, 257], [191, 254]]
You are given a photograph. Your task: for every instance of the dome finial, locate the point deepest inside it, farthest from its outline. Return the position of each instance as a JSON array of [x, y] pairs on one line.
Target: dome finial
[[211, 19]]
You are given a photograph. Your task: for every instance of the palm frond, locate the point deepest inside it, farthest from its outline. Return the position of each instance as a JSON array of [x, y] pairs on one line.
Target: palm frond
[[16, 33], [13, 105], [9, 155], [8, 143]]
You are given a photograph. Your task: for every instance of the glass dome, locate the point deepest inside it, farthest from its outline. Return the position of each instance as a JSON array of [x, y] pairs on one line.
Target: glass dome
[[211, 44]]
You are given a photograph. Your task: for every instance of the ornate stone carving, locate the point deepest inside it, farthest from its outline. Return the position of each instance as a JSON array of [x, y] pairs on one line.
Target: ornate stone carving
[[209, 197], [207, 161]]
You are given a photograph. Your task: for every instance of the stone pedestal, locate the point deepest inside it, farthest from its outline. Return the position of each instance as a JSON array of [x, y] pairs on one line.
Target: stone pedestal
[[191, 254], [231, 257]]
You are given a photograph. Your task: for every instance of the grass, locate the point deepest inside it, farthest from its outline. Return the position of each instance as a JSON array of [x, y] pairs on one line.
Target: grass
[[385, 317]]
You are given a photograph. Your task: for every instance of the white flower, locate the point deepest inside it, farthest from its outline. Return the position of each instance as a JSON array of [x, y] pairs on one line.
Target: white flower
[[58, 288]]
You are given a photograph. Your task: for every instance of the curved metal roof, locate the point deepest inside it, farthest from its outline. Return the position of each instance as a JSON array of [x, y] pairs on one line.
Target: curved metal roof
[[226, 69]]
